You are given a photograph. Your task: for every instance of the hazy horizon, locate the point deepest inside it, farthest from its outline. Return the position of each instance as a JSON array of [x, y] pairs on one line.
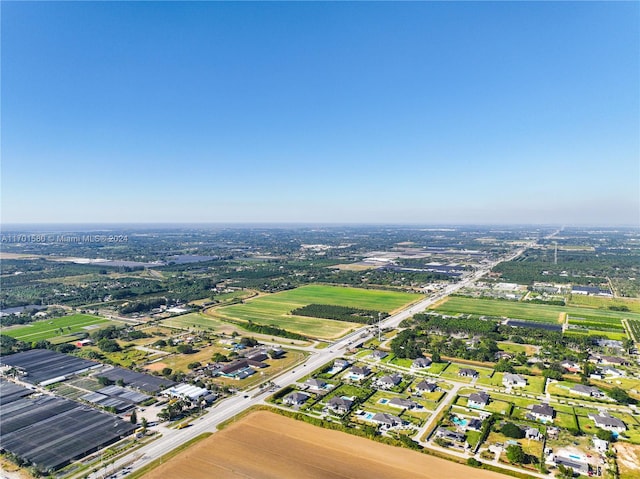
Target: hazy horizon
[[321, 113]]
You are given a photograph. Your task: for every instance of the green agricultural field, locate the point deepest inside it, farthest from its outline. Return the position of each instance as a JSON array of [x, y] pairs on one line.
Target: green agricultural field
[[192, 321], [275, 309], [531, 312], [510, 309], [597, 302], [51, 328]]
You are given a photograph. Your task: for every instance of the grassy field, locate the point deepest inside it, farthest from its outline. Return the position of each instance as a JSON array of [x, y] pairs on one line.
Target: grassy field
[[51, 328], [532, 312], [275, 309], [194, 321], [599, 302]]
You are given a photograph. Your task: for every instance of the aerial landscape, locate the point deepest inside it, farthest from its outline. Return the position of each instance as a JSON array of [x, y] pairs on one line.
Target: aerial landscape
[[320, 240]]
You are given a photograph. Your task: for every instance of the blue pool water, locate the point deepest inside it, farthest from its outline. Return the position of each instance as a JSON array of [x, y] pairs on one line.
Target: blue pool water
[[368, 415], [383, 401], [459, 422], [572, 456]]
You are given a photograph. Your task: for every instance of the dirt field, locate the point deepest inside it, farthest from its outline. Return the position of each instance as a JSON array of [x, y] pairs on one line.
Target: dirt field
[[266, 445], [628, 460], [159, 366]]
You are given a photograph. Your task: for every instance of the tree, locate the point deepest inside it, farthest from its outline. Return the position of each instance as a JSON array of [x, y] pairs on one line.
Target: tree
[[219, 358], [108, 345], [166, 371], [435, 357], [511, 430], [504, 366], [194, 365], [134, 417], [628, 345], [620, 395], [604, 435], [564, 472], [473, 462], [104, 381], [516, 454], [185, 349], [248, 342], [120, 382]]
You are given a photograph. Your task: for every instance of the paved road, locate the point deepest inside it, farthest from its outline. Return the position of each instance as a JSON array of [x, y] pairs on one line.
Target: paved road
[[234, 405]]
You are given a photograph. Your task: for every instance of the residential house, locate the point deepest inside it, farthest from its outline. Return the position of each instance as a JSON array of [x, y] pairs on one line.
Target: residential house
[[613, 372], [578, 466], [608, 422], [588, 391], [446, 434], [513, 380], [608, 360], [295, 398], [316, 385], [340, 364], [340, 405], [425, 387], [614, 360], [386, 420], [600, 445], [387, 382], [358, 373], [378, 354], [533, 433], [503, 355], [421, 363], [542, 412], [478, 400], [468, 373], [404, 404], [474, 424], [571, 366]]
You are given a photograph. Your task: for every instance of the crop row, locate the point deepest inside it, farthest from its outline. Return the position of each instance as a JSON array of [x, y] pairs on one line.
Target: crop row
[[634, 327], [598, 325]]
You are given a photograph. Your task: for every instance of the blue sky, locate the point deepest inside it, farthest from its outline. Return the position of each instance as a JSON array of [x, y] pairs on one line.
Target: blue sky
[[419, 112]]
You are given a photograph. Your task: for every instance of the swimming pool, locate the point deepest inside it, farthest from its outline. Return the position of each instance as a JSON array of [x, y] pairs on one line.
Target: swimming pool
[[383, 401], [368, 415], [459, 422]]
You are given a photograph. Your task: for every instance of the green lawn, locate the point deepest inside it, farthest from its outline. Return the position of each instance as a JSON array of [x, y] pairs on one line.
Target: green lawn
[[452, 372], [50, 328], [275, 309]]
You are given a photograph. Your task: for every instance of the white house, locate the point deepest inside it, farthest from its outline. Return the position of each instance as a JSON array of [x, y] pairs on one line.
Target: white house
[[513, 380], [478, 400], [608, 423]]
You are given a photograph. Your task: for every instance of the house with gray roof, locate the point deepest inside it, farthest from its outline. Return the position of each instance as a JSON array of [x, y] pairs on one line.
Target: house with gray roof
[[387, 382], [316, 385], [425, 387], [541, 412], [468, 373], [448, 435], [386, 420], [607, 422], [478, 400], [513, 380], [588, 391], [404, 403], [340, 405], [295, 398], [421, 363]]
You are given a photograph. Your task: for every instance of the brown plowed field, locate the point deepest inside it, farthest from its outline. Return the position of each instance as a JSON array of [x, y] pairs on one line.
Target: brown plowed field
[[267, 445]]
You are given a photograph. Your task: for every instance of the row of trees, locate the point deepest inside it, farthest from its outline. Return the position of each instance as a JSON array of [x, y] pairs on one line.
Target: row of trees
[[340, 313]]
